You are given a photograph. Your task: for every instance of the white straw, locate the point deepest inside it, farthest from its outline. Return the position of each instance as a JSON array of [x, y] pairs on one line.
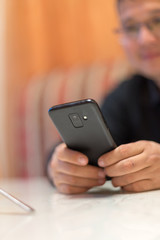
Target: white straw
[[21, 204]]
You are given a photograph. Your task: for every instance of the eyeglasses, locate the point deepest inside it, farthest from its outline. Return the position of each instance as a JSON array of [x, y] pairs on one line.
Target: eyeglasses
[[132, 30]]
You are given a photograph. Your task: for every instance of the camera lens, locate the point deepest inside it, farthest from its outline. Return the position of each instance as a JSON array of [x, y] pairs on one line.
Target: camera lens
[[75, 119]]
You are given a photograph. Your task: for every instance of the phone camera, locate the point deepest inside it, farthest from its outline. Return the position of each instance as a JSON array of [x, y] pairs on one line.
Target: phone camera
[[75, 119]]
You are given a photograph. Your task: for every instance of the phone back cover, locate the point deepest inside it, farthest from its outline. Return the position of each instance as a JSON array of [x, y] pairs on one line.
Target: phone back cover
[[93, 138]]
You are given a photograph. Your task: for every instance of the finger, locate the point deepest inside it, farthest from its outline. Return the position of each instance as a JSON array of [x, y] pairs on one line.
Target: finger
[[88, 171], [131, 178], [67, 155], [140, 186], [127, 166], [69, 189], [78, 181], [122, 152]]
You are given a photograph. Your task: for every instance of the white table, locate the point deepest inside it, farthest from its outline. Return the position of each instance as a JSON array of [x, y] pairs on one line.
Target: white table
[[104, 213]]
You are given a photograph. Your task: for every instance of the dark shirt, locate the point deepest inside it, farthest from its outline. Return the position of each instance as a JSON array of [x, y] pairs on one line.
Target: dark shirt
[[132, 111]]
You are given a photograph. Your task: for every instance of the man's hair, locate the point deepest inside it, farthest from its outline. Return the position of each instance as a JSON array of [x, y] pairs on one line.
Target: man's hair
[[119, 2]]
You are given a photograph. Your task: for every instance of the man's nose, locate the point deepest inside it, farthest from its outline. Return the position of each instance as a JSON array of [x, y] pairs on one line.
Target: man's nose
[[146, 36]]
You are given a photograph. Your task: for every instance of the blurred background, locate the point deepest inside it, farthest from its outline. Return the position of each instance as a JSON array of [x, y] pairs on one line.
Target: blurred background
[[51, 51]]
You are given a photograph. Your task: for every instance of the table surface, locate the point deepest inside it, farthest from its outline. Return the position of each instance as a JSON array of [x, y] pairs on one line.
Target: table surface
[[103, 213]]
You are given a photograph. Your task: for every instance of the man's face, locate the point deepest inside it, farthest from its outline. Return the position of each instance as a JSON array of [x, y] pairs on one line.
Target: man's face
[[142, 42]]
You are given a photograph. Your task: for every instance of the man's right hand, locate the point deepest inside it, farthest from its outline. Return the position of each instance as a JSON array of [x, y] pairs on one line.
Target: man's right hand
[[71, 173]]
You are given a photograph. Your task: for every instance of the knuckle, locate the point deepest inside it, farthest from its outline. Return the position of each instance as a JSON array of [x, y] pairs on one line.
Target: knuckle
[[71, 180], [64, 167], [128, 179], [122, 150], [128, 165], [58, 150], [65, 178], [140, 187], [53, 162], [56, 165], [122, 181], [56, 179], [143, 142], [151, 159], [69, 169], [65, 188], [132, 187], [148, 144]]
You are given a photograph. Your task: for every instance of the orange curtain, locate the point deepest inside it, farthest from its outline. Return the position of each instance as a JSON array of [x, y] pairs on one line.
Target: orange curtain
[[45, 34]]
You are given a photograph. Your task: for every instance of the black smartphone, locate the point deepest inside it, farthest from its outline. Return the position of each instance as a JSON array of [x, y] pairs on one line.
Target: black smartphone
[[82, 127]]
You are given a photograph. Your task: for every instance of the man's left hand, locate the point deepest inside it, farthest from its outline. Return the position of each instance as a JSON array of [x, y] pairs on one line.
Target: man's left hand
[[135, 166]]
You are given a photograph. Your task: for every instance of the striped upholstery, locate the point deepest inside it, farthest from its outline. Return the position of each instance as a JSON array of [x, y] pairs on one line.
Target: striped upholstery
[[37, 133]]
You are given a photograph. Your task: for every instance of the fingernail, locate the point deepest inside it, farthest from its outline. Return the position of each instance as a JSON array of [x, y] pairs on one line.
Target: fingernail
[[82, 160], [101, 163], [101, 174]]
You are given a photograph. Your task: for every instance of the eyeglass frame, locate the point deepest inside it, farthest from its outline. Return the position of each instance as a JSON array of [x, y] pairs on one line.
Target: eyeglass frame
[[138, 26]]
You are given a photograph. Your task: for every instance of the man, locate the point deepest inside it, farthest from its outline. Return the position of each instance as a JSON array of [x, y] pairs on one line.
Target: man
[[132, 112]]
